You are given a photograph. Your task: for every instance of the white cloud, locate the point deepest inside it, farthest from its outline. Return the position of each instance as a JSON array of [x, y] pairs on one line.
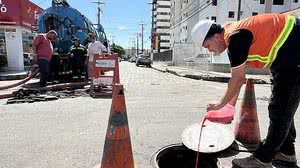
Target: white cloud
[[122, 28]]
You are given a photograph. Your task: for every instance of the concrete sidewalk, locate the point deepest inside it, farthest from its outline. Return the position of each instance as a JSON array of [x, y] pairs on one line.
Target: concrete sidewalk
[[205, 75]]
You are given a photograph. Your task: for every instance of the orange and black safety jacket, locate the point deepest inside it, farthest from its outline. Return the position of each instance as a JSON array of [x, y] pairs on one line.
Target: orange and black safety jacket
[[270, 33]]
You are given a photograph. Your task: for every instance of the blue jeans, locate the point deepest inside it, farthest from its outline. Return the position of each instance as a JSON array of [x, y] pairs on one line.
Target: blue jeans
[[44, 66], [282, 107]]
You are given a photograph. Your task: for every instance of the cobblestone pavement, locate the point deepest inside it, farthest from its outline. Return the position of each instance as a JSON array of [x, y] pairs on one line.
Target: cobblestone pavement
[[71, 132]]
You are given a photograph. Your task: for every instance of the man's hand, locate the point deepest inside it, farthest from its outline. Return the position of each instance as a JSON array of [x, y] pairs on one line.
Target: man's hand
[[235, 83], [214, 105]]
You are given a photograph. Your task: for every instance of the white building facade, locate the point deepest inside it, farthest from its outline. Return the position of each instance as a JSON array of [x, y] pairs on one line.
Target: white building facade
[[186, 13], [160, 25]]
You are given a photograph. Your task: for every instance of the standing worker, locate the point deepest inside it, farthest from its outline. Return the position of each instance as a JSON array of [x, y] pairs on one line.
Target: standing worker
[[78, 54], [43, 50], [94, 47], [267, 40]]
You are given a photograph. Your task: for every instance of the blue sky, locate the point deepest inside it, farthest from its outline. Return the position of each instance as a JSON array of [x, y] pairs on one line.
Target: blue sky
[[120, 18]]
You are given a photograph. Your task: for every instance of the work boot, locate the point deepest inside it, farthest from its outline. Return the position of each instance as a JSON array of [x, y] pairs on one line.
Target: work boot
[[250, 162], [281, 161]]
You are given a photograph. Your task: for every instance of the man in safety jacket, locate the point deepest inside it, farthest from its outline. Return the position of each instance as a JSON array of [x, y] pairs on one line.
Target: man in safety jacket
[[78, 54], [266, 40]]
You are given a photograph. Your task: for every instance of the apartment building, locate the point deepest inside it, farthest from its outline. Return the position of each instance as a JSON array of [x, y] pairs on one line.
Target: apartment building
[[186, 13], [160, 25]]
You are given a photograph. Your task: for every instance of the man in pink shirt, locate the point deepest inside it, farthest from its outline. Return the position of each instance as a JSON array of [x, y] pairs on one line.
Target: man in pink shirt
[[43, 49]]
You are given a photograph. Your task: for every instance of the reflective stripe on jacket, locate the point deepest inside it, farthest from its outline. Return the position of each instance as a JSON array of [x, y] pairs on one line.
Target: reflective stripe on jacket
[[270, 31]]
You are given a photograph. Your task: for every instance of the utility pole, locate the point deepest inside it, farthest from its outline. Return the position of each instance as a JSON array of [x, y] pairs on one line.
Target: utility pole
[[133, 46], [239, 11], [142, 24], [112, 39], [99, 3], [137, 43]]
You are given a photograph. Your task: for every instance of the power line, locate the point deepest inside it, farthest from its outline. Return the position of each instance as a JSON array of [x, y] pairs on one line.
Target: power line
[[192, 15], [41, 2], [193, 12], [204, 6], [247, 6], [107, 28], [188, 5]]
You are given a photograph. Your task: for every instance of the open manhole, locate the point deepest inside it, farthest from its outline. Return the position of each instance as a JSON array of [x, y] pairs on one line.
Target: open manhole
[[179, 156]]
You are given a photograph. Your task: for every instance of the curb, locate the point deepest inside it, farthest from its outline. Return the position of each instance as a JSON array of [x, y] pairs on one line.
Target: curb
[[223, 79], [12, 77], [158, 69], [201, 77]]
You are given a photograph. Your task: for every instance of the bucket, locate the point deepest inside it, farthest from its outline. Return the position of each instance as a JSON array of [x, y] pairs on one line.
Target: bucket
[[224, 115], [179, 156]]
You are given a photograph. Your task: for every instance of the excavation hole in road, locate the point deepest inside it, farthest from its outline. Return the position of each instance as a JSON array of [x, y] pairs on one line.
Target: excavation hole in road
[[178, 156]]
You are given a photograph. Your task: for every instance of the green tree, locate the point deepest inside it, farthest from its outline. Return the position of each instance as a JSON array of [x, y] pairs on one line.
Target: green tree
[[117, 49]]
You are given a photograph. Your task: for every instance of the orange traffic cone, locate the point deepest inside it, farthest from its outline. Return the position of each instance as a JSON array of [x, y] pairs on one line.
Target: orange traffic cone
[[247, 129], [117, 151]]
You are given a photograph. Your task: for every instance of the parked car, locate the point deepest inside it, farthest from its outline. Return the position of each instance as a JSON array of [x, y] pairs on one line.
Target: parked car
[[132, 59], [143, 60]]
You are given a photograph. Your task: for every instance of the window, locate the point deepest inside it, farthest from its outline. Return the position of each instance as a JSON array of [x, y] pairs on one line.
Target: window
[[214, 18], [163, 27], [254, 13], [262, 1], [164, 41], [231, 14], [214, 3], [278, 2], [164, 34], [163, 6], [163, 13], [163, 20]]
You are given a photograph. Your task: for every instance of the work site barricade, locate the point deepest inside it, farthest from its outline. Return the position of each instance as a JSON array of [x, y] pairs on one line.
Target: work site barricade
[[104, 73]]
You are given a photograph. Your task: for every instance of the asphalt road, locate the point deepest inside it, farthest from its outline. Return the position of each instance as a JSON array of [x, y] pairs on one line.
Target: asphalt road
[[70, 132]]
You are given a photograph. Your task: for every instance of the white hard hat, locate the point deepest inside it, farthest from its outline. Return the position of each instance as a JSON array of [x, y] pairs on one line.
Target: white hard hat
[[200, 30]]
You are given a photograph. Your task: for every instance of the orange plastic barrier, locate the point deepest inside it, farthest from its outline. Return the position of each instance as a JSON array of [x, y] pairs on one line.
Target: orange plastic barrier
[[99, 81]]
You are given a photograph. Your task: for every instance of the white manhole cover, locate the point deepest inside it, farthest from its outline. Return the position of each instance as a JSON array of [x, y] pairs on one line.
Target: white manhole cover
[[215, 137]]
